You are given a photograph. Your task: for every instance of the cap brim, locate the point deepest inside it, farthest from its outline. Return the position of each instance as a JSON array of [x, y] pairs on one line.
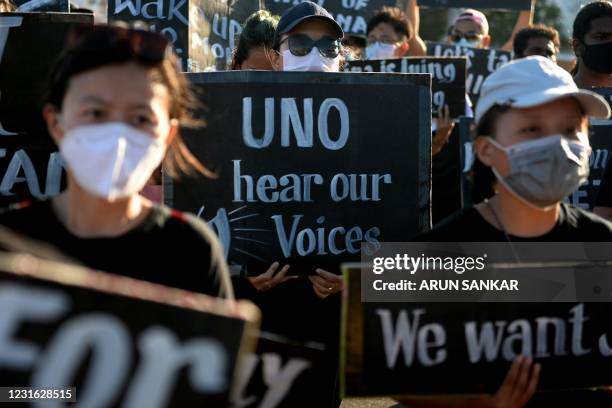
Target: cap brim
[[333, 22], [593, 105]]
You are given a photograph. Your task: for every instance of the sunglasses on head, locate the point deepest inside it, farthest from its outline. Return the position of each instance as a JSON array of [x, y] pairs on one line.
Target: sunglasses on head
[[147, 46], [300, 45], [456, 36]]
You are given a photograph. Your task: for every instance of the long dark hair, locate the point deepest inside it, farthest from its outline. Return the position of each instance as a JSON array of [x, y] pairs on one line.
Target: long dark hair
[[482, 175], [94, 47]]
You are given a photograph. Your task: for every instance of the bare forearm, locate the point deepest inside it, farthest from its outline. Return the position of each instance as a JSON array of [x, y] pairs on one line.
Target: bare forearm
[[524, 19], [417, 45]]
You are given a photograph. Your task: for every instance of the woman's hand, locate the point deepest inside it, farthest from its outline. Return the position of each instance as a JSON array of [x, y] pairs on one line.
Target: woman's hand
[[517, 389], [443, 132], [326, 283], [268, 280], [519, 386]]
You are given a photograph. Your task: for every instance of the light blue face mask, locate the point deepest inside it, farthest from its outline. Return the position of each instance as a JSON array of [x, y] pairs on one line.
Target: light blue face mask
[[545, 171], [465, 43]]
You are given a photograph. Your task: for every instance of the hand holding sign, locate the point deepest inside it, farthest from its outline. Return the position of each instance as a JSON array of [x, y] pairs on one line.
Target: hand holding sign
[[443, 132], [519, 386], [326, 283], [269, 280], [517, 389]]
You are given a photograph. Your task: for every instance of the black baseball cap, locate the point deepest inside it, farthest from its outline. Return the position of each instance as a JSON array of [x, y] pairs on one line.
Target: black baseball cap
[[301, 12]]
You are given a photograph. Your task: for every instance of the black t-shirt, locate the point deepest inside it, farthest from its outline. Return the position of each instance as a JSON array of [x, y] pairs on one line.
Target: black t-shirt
[[604, 197], [574, 224], [168, 247]]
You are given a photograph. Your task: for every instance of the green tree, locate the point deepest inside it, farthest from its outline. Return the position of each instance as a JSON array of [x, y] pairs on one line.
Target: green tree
[[546, 12]]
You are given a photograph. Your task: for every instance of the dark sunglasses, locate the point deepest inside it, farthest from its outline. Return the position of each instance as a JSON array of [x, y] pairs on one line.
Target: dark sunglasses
[[145, 45], [300, 45], [456, 36]]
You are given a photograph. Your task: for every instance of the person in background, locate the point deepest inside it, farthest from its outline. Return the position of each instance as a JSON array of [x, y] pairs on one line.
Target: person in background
[[537, 40], [307, 38], [255, 42], [306, 308], [471, 29], [354, 47], [532, 151], [115, 102], [592, 43], [6, 6], [389, 34]]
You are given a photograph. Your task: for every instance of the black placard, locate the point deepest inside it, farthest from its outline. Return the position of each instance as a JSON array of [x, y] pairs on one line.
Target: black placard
[[282, 373], [203, 31], [352, 15], [360, 132], [42, 5], [466, 348], [447, 83], [214, 30], [29, 164], [119, 341], [480, 63], [479, 4], [600, 137]]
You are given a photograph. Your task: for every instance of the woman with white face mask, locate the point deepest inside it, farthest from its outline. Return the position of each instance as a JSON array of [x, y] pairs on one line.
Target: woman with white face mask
[[307, 38], [114, 106], [533, 151], [388, 35]]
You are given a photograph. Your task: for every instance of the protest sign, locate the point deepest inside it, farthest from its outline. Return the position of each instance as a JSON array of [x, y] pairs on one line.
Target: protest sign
[[403, 349], [479, 4], [29, 163], [309, 165], [352, 15], [203, 32], [27, 6], [447, 77], [600, 137], [118, 341], [281, 373], [480, 63]]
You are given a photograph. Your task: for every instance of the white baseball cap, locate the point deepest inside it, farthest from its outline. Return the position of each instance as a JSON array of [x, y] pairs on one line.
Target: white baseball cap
[[534, 81]]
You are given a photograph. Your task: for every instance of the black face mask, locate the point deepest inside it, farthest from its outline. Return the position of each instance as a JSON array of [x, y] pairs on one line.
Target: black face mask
[[598, 57]]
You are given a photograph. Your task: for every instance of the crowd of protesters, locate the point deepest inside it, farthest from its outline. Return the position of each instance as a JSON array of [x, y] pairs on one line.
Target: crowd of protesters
[[531, 146]]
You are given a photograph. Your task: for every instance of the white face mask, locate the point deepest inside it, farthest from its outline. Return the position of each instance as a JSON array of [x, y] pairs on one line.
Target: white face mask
[[465, 43], [314, 62], [379, 51], [111, 160]]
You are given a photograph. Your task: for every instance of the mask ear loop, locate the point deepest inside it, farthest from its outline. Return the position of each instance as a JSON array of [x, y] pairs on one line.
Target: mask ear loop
[[268, 51]]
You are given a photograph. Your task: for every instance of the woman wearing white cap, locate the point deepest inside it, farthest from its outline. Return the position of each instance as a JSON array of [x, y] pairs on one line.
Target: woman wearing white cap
[[532, 151]]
